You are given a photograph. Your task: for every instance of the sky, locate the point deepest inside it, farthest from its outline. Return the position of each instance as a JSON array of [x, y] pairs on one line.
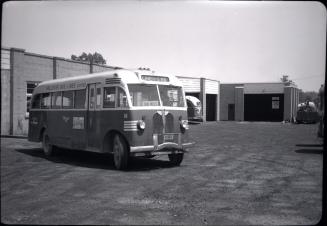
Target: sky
[[232, 42]]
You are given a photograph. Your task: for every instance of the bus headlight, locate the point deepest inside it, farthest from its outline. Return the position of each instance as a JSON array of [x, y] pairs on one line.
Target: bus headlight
[[141, 125], [184, 124]]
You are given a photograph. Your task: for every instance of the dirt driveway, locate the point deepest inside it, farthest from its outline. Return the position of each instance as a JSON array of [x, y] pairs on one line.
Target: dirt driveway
[[237, 173]]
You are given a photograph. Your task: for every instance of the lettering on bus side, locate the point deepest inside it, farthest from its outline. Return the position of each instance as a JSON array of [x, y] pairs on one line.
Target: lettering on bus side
[[78, 122], [65, 86]]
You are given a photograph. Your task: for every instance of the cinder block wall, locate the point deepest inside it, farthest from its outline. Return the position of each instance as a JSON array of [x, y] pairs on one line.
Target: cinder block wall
[[29, 67], [65, 68], [239, 103], [5, 101]]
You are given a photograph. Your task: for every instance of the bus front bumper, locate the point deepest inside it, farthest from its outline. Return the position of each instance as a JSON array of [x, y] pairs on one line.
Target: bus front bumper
[[160, 149]]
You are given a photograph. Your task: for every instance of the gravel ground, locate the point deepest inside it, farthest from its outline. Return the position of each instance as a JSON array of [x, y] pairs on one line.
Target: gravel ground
[[237, 173]]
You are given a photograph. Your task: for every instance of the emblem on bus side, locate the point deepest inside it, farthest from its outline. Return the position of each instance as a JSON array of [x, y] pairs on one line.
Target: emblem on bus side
[[34, 121], [65, 118]]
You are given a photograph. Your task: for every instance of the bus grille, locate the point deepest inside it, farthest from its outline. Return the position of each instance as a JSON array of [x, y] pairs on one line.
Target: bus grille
[[113, 80], [169, 127], [157, 124]]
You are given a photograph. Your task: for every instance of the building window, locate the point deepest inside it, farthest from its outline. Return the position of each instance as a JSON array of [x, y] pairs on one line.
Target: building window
[[275, 103]]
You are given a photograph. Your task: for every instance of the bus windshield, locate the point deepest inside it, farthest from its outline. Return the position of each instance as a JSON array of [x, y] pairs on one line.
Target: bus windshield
[[144, 95], [147, 95], [171, 96]]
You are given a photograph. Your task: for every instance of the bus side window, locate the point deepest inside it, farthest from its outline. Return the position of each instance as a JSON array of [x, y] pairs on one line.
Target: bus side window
[[56, 100], [122, 99], [67, 99], [92, 98], [45, 100], [79, 99], [109, 94], [36, 102], [98, 98]]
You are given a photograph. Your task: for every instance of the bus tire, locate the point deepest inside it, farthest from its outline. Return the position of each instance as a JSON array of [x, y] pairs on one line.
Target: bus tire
[[47, 147], [120, 152], [176, 159]]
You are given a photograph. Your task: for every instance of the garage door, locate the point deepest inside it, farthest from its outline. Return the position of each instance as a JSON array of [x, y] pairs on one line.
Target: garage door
[[263, 107], [211, 108]]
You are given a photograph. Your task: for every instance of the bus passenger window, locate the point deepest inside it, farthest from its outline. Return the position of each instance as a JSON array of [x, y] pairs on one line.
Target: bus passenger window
[[56, 100], [45, 100], [98, 98], [36, 101], [67, 99], [122, 99], [109, 94], [79, 99]]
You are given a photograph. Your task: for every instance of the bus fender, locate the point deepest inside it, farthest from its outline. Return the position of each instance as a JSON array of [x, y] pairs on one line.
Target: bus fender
[[41, 132], [108, 138]]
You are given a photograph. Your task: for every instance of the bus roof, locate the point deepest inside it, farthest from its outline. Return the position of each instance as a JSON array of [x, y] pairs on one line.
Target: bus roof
[[116, 76]]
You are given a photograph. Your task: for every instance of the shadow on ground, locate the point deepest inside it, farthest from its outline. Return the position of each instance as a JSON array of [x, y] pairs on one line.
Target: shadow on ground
[[95, 160], [309, 151], [309, 145]]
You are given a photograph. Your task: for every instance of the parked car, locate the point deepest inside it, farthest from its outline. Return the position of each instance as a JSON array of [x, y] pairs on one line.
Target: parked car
[[307, 113], [194, 109]]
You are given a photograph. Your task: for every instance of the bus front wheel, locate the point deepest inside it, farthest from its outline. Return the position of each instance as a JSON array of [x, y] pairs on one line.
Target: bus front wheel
[[120, 152], [176, 159], [47, 147]]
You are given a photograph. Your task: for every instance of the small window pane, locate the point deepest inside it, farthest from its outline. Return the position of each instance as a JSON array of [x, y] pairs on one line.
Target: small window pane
[[109, 94], [79, 99], [45, 100], [122, 99], [98, 100], [67, 99], [92, 98], [36, 101], [56, 100]]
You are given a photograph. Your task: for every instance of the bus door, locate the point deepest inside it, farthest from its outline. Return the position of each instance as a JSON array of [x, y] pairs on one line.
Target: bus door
[[93, 126]]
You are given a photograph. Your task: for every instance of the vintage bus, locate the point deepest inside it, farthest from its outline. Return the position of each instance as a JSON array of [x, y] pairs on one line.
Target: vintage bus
[[123, 112]]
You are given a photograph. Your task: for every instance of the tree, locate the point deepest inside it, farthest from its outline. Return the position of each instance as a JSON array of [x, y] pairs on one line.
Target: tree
[[285, 79], [311, 96], [95, 58]]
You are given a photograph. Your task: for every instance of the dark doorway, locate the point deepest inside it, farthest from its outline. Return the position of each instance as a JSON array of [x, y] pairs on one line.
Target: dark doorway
[[264, 107], [231, 112], [211, 107]]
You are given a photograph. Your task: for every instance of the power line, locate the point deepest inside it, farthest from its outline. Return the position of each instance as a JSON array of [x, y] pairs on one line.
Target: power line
[[316, 76]]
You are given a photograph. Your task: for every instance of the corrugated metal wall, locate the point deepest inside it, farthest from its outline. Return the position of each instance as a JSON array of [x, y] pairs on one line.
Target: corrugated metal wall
[[191, 85], [5, 59], [211, 86]]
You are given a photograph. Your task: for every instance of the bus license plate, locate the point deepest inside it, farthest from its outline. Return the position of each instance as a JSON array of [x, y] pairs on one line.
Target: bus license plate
[[168, 137]]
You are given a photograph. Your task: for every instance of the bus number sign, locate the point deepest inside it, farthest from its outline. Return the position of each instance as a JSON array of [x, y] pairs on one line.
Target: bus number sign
[[168, 137]]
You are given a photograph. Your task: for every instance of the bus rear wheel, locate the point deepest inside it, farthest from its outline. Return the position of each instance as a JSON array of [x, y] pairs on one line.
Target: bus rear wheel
[[120, 152], [47, 147], [176, 159]]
